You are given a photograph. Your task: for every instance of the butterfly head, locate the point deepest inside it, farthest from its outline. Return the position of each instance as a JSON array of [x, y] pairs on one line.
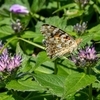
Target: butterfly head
[[78, 41]]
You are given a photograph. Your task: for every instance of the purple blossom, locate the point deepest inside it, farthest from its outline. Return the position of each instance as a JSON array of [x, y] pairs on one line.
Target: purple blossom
[[14, 62], [10, 65], [4, 60], [4, 57], [19, 9], [82, 54], [91, 53], [8, 62], [2, 65], [17, 59], [85, 56]]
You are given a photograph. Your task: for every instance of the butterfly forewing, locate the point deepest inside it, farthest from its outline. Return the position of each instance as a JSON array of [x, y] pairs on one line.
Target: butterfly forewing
[[57, 41]]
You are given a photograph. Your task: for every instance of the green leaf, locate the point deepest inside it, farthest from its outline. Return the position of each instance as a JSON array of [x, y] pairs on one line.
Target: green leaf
[[74, 13], [5, 31], [38, 39], [53, 83], [97, 8], [38, 27], [45, 67], [68, 63], [56, 21], [29, 34], [96, 85], [5, 21], [85, 40], [18, 49], [2, 84], [6, 96], [75, 82], [98, 97], [94, 29], [41, 57], [24, 85], [95, 32], [96, 36], [66, 67], [69, 28], [52, 4], [37, 5], [36, 35]]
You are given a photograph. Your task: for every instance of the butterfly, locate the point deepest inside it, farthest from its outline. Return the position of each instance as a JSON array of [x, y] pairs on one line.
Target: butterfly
[[58, 42]]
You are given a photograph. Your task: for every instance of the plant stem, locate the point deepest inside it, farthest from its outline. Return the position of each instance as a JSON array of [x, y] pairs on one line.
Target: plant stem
[[14, 38], [90, 86], [90, 92], [7, 44], [39, 46]]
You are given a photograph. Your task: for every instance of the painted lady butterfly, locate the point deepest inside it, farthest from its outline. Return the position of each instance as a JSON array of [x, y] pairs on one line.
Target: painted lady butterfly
[[57, 41]]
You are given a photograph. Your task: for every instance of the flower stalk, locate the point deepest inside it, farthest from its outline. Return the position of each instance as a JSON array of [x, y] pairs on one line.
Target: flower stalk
[[90, 86], [39, 46]]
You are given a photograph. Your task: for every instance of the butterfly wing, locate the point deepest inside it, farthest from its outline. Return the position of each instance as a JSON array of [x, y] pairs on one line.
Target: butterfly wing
[[57, 41]]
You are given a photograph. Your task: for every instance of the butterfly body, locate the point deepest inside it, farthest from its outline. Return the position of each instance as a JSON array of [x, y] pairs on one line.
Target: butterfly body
[[57, 41]]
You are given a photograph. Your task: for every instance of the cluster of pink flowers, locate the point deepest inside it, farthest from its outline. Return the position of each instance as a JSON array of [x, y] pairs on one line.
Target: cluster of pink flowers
[[8, 62], [85, 56]]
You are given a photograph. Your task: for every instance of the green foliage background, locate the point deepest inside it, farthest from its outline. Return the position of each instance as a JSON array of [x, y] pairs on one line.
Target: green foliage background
[[35, 79]]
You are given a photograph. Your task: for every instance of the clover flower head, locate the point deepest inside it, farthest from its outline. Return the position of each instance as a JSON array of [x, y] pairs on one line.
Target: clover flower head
[[91, 53], [8, 62], [85, 56], [14, 62], [2, 65], [82, 54], [17, 59], [18, 9], [17, 27], [80, 28]]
